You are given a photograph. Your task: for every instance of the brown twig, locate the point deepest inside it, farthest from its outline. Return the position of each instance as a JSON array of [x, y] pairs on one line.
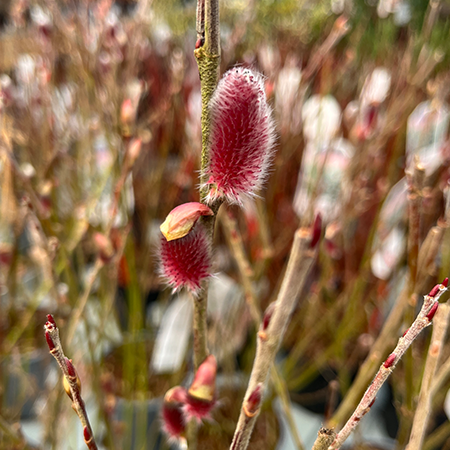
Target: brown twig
[[72, 383], [424, 318], [272, 331]]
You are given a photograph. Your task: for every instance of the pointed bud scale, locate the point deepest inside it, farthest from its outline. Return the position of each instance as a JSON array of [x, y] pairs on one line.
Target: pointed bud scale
[[182, 218], [268, 315], [266, 321], [432, 312], [201, 396], [445, 282], [253, 403], [87, 434], [434, 291], [51, 320], [73, 374], [50, 343], [70, 368], [186, 262], [174, 422], [241, 138], [390, 360]]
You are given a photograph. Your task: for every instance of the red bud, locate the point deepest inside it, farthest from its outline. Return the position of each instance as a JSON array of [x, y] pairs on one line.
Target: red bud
[[253, 402], [70, 368], [87, 434], [266, 320], [49, 340], [268, 315], [51, 320], [390, 360], [434, 291], [445, 282], [432, 312]]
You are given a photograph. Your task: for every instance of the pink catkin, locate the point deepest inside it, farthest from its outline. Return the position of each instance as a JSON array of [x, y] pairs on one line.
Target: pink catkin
[[185, 262], [242, 137]]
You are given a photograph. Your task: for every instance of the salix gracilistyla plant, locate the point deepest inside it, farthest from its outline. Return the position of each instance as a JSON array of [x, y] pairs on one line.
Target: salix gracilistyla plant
[[240, 149]]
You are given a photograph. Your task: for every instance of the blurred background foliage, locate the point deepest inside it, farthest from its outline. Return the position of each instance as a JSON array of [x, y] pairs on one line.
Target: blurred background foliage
[[100, 139]]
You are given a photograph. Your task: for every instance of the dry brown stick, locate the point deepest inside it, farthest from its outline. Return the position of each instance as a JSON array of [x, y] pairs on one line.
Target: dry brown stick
[[423, 408], [272, 331], [424, 318], [72, 383]]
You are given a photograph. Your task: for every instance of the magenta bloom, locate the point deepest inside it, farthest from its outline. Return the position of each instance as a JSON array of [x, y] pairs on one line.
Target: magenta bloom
[[242, 136], [186, 262]]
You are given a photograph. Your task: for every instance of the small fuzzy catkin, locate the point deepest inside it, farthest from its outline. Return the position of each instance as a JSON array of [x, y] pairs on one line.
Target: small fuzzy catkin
[[242, 137], [186, 262]]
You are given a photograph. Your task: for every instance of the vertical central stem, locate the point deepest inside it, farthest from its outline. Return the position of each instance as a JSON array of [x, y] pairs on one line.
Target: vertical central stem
[[200, 331], [207, 54]]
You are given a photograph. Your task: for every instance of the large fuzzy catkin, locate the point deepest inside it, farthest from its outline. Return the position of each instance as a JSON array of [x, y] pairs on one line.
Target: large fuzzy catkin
[[242, 137], [186, 262]]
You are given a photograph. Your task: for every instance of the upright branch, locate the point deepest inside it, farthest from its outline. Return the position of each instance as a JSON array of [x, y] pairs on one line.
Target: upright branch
[[72, 383], [424, 318], [272, 329], [207, 53]]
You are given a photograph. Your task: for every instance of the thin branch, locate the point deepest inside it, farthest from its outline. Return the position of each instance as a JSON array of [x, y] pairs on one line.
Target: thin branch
[[423, 408], [208, 60], [426, 262], [72, 383], [207, 53], [424, 318], [272, 331]]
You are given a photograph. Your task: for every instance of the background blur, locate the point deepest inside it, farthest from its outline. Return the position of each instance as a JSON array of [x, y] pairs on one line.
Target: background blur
[[358, 89]]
